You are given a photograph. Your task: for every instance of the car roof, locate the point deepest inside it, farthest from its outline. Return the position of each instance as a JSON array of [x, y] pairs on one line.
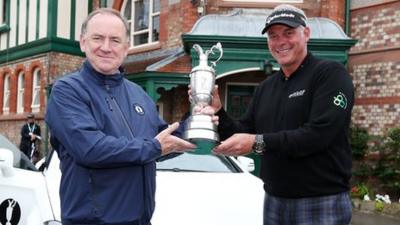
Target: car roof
[[7, 144], [20, 159]]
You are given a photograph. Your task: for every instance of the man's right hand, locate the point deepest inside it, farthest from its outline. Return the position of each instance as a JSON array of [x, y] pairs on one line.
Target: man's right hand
[[216, 100], [170, 143], [216, 104]]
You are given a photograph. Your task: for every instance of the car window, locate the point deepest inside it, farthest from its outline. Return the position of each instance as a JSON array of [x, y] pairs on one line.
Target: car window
[[196, 163], [20, 159]]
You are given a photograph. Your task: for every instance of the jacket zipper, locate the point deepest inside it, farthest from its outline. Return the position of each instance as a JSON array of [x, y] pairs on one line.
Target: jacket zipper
[[119, 111], [121, 115]]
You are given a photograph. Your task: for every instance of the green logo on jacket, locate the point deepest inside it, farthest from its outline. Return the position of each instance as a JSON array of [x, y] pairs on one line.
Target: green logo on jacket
[[340, 100]]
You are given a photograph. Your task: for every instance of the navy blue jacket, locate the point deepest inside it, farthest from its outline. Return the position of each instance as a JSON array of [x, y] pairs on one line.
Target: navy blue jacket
[[103, 128]]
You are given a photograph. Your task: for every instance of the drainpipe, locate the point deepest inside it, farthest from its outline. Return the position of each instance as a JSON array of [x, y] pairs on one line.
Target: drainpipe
[[48, 88], [347, 17]]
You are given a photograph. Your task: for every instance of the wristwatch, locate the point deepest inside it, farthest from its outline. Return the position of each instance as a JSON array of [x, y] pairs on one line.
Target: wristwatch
[[259, 145]]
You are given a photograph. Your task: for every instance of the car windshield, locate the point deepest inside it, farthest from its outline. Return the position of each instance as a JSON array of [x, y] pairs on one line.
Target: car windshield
[[189, 162], [20, 160]]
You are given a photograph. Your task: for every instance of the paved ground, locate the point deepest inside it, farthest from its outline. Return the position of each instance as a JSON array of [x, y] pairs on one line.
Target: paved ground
[[360, 218]]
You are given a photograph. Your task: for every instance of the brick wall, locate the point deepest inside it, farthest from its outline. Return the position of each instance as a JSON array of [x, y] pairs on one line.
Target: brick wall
[[176, 18], [62, 64], [334, 10], [374, 64], [376, 27], [51, 66]]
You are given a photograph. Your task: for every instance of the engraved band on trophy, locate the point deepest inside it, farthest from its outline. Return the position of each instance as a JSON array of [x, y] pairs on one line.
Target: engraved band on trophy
[[200, 127]]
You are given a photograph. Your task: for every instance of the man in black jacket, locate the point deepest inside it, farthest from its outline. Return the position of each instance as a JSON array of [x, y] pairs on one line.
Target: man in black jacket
[[30, 138], [298, 123]]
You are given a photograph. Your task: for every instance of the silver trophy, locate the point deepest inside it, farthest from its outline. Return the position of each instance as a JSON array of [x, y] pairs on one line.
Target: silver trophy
[[200, 128]]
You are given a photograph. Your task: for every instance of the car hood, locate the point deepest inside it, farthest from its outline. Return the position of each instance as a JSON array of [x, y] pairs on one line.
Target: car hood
[[196, 198]]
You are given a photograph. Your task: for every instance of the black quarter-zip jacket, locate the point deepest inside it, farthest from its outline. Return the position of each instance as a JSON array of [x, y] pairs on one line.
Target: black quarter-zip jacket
[[304, 120]]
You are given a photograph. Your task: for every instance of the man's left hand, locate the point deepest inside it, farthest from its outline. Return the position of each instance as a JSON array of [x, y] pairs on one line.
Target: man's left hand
[[237, 144]]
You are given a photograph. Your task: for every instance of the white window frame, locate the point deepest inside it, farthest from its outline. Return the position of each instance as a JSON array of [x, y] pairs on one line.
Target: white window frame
[[36, 90], [131, 21], [6, 94], [2, 3], [21, 92]]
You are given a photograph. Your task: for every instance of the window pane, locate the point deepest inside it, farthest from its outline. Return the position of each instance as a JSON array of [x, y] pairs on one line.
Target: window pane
[[156, 28], [37, 81], [36, 98], [128, 10], [6, 100], [140, 39], [141, 15], [156, 6], [20, 95], [36, 88], [6, 97], [130, 28]]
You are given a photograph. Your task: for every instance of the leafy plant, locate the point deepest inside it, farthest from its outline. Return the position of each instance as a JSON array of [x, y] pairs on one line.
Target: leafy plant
[[358, 140], [363, 171], [379, 206], [359, 191], [388, 168]]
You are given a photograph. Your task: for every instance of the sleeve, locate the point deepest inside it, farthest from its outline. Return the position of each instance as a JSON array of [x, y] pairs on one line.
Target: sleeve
[[25, 132], [245, 124], [329, 118], [37, 130], [73, 125]]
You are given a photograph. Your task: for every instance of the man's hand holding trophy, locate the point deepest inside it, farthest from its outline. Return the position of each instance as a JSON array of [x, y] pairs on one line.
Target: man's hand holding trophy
[[201, 128]]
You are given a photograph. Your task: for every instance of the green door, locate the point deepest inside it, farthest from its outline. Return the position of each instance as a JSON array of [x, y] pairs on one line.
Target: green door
[[238, 98]]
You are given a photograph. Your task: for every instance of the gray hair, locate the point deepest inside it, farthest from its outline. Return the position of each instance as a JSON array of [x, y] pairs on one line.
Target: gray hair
[[106, 11], [287, 7]]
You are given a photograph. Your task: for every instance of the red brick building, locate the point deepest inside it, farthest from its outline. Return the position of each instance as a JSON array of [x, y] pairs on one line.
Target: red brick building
[[161, 55], [375, 64]]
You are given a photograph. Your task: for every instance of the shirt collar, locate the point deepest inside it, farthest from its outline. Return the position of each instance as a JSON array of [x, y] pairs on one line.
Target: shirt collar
[[305, 62], [102, 79]]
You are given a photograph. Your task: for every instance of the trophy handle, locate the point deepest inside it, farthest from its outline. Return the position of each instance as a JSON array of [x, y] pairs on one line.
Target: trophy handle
[[218, 47], [198, 49]]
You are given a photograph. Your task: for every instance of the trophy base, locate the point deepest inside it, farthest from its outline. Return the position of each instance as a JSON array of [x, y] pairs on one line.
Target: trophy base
[[204, 147], [202, 132], [205, 140]]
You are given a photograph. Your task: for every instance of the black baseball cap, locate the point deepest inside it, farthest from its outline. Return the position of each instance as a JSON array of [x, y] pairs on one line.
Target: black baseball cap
[[286, 17]]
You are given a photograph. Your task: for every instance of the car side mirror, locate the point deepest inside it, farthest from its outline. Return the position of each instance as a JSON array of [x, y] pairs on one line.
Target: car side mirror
[[247, 163], [6, 162], [41, 164]]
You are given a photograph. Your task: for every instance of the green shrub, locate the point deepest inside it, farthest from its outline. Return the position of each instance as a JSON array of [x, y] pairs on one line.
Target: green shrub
[[358, 140], [363, 171], [359, 191], [388, 168], [379, 206]]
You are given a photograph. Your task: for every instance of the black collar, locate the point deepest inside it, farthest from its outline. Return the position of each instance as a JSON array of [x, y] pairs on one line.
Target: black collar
[[305, 62]]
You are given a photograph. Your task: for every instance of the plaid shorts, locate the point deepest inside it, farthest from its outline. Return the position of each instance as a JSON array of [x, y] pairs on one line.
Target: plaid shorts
[[326, 210]]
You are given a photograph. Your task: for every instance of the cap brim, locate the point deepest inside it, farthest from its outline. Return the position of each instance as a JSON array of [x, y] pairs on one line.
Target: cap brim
[[291, 24]]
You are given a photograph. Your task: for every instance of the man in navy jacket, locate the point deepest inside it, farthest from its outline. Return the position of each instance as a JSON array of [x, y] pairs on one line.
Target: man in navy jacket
[[107, 132]]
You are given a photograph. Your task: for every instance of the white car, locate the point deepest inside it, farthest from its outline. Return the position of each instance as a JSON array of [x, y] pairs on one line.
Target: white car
[[27, 196], [191, 190]]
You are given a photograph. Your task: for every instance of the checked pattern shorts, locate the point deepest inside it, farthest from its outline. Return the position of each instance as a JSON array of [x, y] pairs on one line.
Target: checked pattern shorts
[[325, 210]]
